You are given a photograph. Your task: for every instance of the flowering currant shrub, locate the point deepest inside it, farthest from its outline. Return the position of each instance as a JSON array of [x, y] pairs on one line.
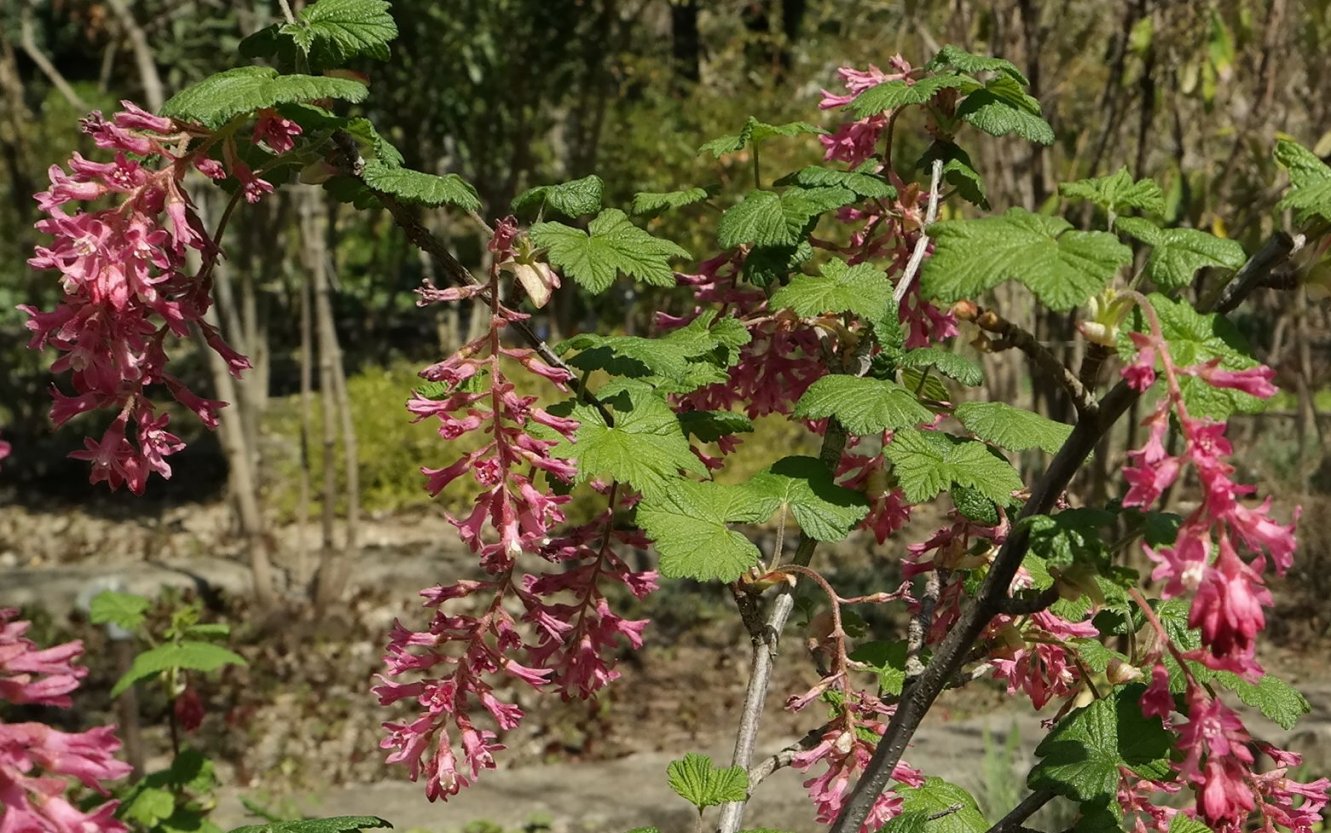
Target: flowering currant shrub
[[835, 296]]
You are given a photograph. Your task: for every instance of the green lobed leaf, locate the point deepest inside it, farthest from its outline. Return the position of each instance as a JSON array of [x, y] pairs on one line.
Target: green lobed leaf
[[124, 610], [1063, 267], [1310, 180], [804, 487], [766, 218], [571, 199], [645, 447], [1004, 108], [421, 188], [926, 463], [1195, 339], [891, 95], [219, 98], [149, 806], [687, 522], [933, 808], [1081, 757], [862, 289], [1182, 823], [1277, 700], [968, 62], [186, 654], [696, 780], [1117, 192], [656, 202], [339, 30], [952, 365], [925, 385], [865, 406], [333, 824], [710, 426], [756, 132], [958, 171], [1177, 253], [611, 244], [1015, 429], [865, 185]]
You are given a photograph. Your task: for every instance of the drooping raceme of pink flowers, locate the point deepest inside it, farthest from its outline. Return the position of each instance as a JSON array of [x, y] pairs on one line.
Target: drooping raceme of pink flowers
[[565, 636], [1229, 594], [37, 763], [126, 287]]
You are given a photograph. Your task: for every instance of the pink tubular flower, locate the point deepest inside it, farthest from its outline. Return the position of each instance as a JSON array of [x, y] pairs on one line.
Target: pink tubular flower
[[125, 287], [36, 761], [5, 449], [275, 131]]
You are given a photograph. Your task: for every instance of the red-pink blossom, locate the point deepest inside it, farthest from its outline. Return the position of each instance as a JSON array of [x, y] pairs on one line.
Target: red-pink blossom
[[38, 762], [275, 131]]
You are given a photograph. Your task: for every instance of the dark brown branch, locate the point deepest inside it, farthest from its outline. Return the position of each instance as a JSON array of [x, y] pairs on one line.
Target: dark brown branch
[[952, 651], [1026, 605], [1010, 335], [1012, 822]]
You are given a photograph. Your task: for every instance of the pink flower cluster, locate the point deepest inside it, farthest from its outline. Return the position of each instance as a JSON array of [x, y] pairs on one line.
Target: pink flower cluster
[[36, 761], [857, 141], [1219, 763], [566, 635], [845, 752], [1230, 594], [1228, 602], [125, 283]]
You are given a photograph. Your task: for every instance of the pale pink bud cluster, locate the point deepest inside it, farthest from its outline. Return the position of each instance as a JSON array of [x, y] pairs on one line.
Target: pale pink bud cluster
[[126, 289], [37, 762]]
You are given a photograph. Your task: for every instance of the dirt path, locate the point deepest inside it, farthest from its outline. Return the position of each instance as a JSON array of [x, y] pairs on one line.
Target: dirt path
[[619, 795]]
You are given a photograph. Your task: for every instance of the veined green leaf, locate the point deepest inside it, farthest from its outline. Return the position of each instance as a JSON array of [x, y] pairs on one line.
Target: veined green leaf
[[1177, 253], [186, 654], [1004, 108], [1015, 429], [696, 780], [687, 522], [863, 405], [219, 98], [339, 30], [1063, 267], [926, 463], [653, 202], [804, 487], [890, 95], [756, 132], [571, 199], [611, 244], [1117, 192], [421, 188], [862, 289], [766, 218]]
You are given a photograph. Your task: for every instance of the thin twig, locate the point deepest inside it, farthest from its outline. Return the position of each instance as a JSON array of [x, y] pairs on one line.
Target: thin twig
[[1012, 335], [1012, 822], [29, 43], [952, 652], [764, 647], [922, 244], [784, 757], [918, 630]]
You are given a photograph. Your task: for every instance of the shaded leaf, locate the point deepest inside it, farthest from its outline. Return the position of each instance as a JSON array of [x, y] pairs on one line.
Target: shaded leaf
[[804, 487], [571, 199], [1004, 108]]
